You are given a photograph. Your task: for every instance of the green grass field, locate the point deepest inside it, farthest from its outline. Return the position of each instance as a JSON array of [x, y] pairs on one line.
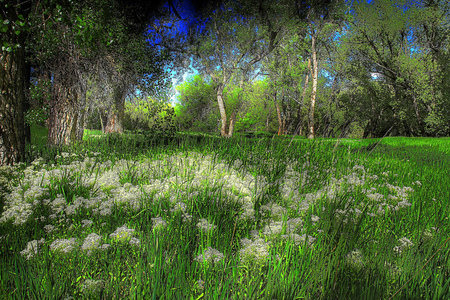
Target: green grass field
[[201, 217]]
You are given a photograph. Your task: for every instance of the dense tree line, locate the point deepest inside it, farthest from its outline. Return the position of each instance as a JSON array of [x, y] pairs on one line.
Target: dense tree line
[[368, 70]]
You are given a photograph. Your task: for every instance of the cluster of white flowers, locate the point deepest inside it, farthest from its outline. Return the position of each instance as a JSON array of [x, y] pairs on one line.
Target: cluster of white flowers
[[92, 242], [193, 171], [404, 244], [205, 225], [210, 255]]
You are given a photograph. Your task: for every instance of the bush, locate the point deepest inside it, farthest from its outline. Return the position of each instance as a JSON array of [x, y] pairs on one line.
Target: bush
[[151, 117]]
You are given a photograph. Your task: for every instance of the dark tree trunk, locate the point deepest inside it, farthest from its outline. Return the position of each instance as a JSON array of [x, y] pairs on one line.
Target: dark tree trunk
[[12, 103], [345, 129], [117, 112], [232, 122], [280, 121], [27, 105]]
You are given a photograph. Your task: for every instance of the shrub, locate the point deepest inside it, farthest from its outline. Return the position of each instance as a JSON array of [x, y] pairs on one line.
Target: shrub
[[150, 116]]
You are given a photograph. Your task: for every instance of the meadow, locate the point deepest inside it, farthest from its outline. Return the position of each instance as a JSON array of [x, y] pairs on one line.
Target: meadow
[[201, 217]]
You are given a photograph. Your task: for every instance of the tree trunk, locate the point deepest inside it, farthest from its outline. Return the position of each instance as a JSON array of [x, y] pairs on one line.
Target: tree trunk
[[345, 129], [27, 104], [280, 122], [81, 121], [233, 116], [299, 119], [329, 116], [232, 122], [223, 114], [12, 102], [420, 124], [314, 88], [117, 112], [267, 119], [287, 114], [63, 119]]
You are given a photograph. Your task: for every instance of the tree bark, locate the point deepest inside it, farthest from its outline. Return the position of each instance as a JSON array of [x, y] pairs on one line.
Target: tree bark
[[63, 119], [287, 113], [81, 120], [223, 114], [267, 119], [280, 122], [299, 119], [27, 104], [12, 102], [117, 112], [314, 89], [13, 84]]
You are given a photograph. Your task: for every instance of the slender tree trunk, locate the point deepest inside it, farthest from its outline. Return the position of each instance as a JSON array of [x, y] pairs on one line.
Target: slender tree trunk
[[223, 114], [418, 118], [267, 119], [345, 129], [280, 122], [233, 117], [12, 102], [329, 116], [287, 114], [367, 129], [314, 88], [232, 122], [101, 119], [299, 119]]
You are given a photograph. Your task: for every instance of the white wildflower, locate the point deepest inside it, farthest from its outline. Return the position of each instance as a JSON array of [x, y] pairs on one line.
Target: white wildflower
[[203, 224], [122, 233], [32, 248], [63, 245], [210, 254]]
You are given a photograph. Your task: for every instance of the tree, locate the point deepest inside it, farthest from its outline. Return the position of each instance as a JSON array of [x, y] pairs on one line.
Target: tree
[[13, 28], [432, 35], [386, 49], [234, 43], [17, 18], [114, 57], [287, 69], [197, 109], [322, 19]]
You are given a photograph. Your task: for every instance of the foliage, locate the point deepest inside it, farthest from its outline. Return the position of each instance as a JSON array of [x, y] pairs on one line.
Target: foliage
[[197, 105], [410, 96], [198, 109], [151, 116]]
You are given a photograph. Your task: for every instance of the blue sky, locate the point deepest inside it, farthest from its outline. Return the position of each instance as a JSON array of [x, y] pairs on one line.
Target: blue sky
[[180, 29]]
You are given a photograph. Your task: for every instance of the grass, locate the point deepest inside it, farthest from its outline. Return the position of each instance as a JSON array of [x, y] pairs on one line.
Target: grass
[[200, 217]]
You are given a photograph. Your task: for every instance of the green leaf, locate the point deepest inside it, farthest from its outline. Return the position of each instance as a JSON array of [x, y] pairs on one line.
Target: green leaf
[[6, 22]]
